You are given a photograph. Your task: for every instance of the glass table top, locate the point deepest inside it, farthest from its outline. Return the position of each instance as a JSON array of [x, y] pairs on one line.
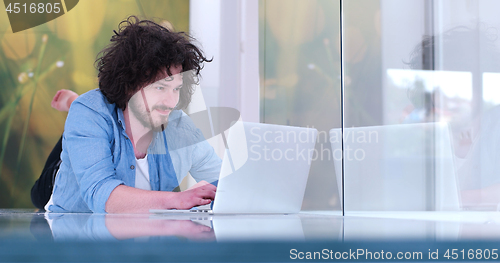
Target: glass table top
[[151, 237]]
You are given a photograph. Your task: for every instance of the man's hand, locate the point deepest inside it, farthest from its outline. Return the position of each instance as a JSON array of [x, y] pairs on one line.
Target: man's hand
[[126, 199], [63, 99], [201, 193], [198, 184]]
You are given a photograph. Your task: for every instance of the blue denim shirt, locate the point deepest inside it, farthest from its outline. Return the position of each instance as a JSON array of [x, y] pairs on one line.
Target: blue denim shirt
[[98, 155]]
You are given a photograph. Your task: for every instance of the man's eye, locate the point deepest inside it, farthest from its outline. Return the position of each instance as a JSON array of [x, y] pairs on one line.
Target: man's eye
[[177, 89], [159, 88]]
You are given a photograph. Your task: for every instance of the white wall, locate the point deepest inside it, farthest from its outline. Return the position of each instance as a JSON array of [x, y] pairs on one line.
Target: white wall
[[228, 31]]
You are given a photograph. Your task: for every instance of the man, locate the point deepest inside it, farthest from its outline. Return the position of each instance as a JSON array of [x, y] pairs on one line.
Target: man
[[120, 147]]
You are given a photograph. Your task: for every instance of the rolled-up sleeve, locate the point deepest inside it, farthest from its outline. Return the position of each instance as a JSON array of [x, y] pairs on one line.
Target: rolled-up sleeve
[[88, 139], [206, 164]]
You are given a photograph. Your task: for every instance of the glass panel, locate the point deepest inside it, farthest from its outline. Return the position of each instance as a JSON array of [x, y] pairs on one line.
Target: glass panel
[[300, 71], [421, 105], [62, 51]]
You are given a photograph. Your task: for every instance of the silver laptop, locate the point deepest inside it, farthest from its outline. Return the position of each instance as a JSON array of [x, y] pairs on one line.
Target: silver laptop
[[406, 167], [264, 170]]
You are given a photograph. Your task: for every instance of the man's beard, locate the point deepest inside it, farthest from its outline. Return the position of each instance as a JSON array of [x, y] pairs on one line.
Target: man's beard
[[138, 109]]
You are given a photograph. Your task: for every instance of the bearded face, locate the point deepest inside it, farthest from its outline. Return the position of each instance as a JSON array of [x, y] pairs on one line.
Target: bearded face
[[152, 104]]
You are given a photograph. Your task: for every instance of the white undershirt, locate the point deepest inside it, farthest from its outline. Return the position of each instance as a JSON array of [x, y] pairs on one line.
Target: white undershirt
[[142, 174]]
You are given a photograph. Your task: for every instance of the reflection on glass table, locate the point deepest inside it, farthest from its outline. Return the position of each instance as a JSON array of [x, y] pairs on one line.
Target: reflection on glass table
[[107, 227], [432, 226], [303, 227]]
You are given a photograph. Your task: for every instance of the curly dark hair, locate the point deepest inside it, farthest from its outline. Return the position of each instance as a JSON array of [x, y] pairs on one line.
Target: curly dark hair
[[139, 53]]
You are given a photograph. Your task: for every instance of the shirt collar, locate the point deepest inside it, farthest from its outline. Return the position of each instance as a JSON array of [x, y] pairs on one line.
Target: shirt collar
[[121, 118]]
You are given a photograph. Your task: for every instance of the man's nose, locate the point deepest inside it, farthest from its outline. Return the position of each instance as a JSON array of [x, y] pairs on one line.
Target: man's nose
[[170, 99]]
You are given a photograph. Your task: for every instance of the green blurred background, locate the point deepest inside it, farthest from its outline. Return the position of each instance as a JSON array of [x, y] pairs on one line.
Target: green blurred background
[[37, 62]]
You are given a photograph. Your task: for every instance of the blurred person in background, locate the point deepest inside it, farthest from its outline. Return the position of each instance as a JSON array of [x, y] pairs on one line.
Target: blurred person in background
[[475, 126]]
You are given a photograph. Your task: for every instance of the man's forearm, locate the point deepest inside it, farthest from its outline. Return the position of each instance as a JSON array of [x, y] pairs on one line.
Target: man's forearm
[[126, 199]]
